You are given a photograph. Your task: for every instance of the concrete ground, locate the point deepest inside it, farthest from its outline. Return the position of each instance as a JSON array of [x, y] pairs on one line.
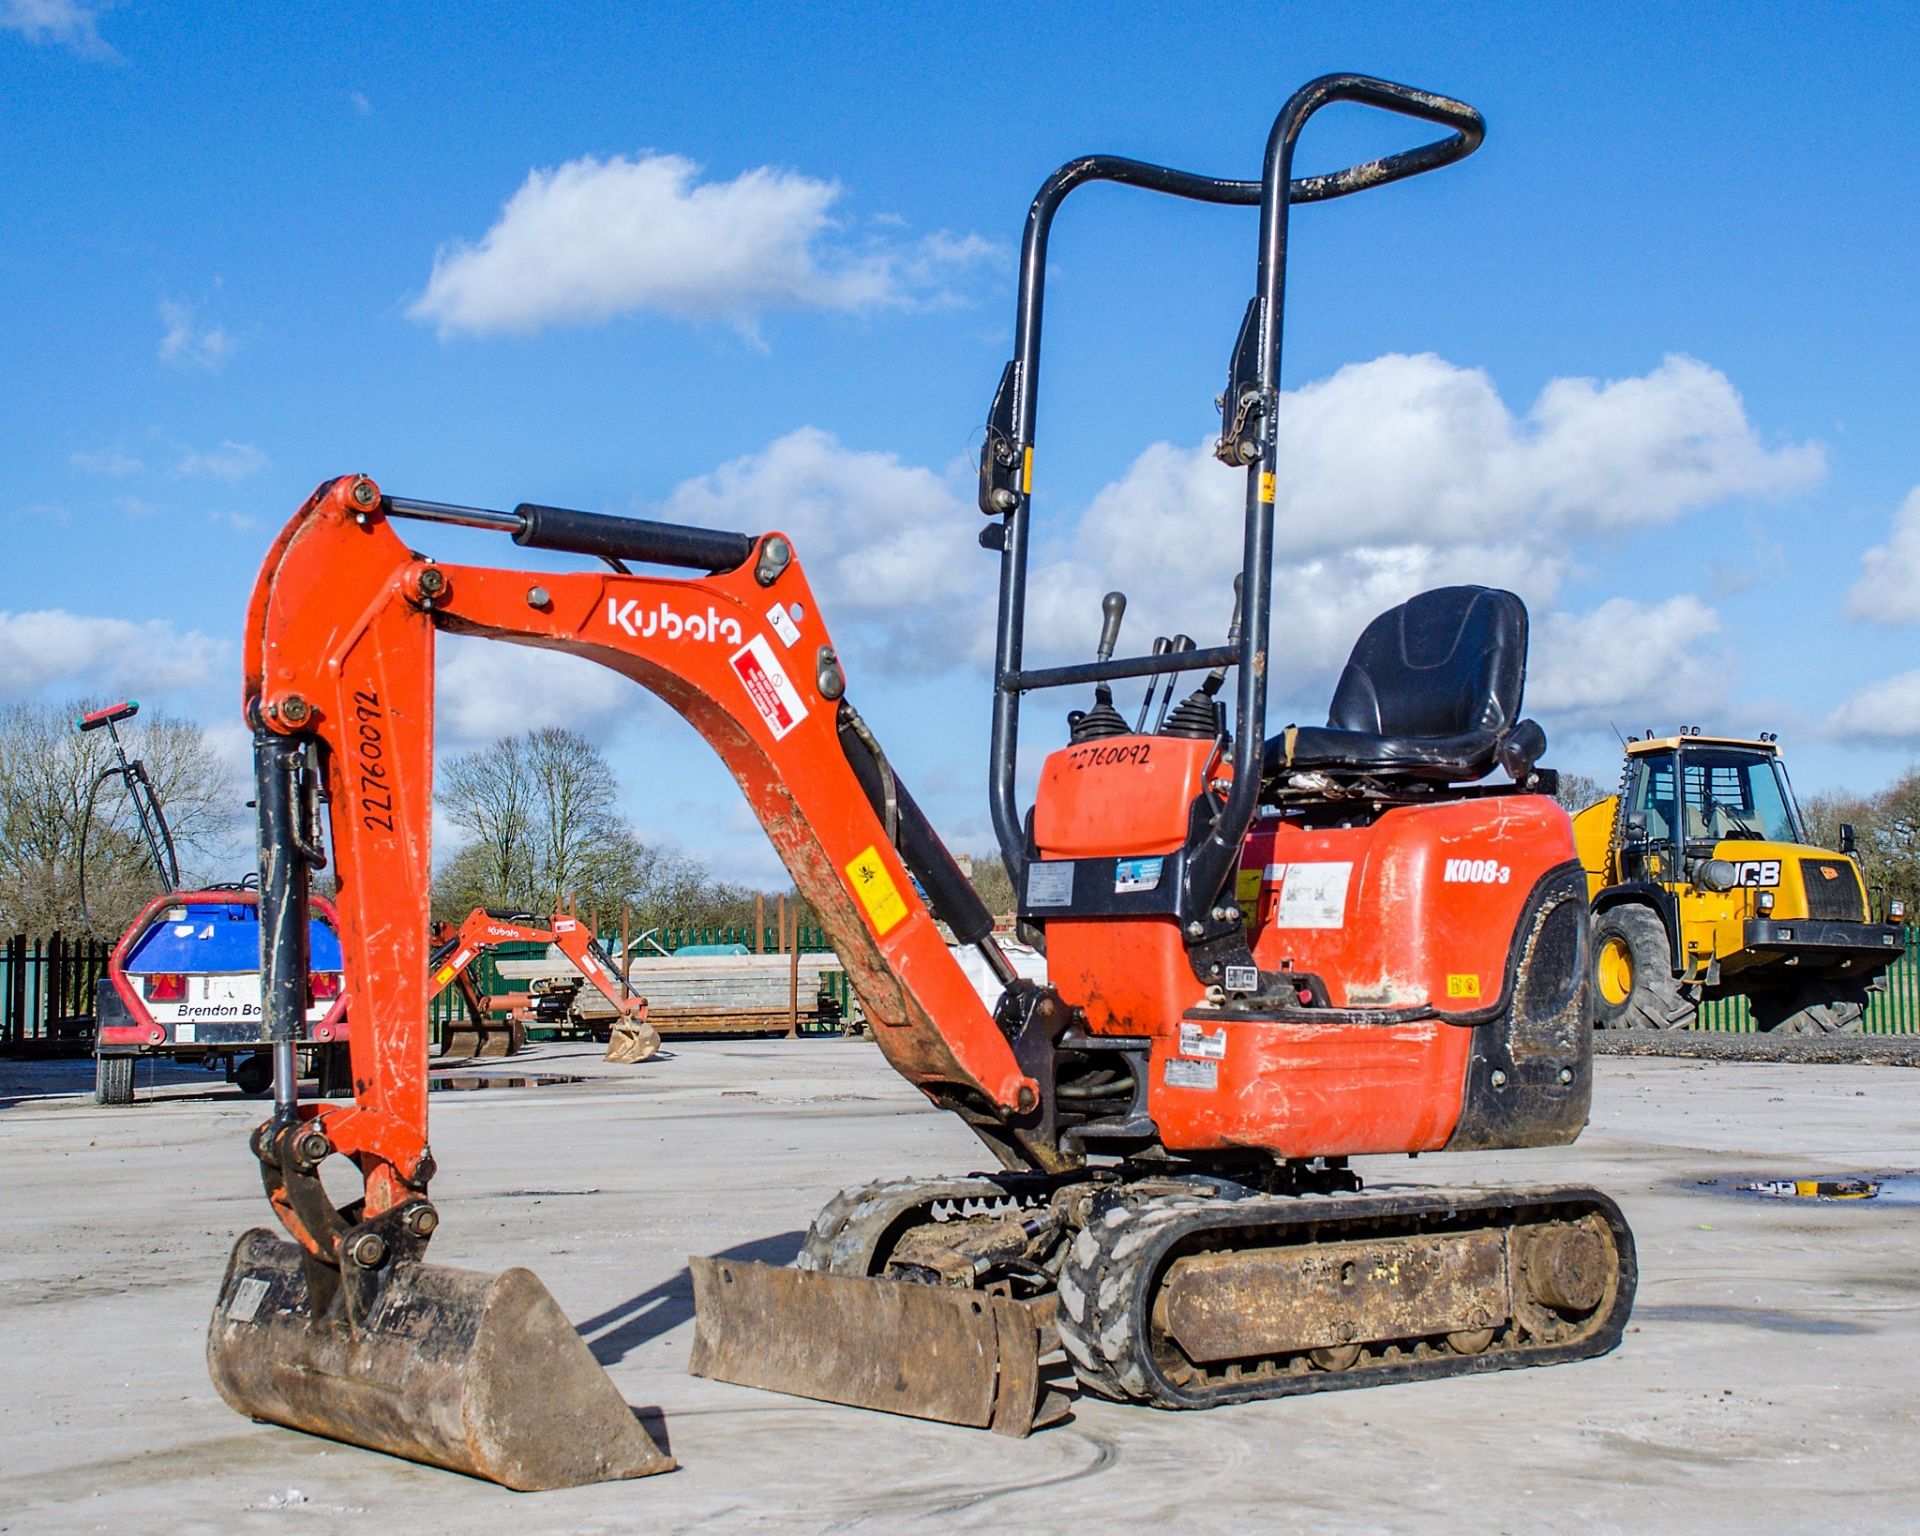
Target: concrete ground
[[1768, 1382]]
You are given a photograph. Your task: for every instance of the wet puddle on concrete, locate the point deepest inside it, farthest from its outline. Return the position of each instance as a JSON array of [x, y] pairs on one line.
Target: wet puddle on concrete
[[473, 1084], [1878, 1190]]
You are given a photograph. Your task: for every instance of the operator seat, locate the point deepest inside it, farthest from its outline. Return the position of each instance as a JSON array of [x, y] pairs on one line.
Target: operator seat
[[1431, 692]]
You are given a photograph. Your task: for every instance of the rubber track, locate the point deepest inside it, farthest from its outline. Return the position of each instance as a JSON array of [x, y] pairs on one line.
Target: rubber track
[[1104, 1306], [842, 1239]]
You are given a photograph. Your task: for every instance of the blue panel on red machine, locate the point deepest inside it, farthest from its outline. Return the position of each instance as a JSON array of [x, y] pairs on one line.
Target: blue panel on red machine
[[219, 936]]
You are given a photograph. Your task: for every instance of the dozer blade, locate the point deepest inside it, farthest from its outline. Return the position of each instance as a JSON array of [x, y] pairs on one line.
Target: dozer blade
[[478, 1373], [930, 1352]]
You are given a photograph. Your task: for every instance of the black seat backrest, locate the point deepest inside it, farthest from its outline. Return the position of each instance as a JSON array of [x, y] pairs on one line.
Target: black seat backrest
[[1444, 663]]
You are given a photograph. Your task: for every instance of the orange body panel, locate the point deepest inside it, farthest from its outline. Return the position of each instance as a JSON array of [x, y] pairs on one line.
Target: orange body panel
[[1129, 975], [1317, 1090], [1431, 898], [1408, 912], [1124, 795]]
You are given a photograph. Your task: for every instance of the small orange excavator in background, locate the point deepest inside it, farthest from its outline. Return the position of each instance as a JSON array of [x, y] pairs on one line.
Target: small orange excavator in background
[[484, 928], [1266, 956]]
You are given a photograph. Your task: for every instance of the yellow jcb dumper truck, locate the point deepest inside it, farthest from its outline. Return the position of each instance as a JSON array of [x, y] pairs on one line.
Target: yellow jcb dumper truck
[[1704, 885]]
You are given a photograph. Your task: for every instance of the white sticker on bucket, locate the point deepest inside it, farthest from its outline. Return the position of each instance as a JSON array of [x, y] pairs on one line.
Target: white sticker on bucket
[[768, 686], [247, 1296]]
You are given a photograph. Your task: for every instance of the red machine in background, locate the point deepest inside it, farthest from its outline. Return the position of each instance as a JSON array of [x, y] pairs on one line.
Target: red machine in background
[[183, 980], [456, 949], [1266, 956]]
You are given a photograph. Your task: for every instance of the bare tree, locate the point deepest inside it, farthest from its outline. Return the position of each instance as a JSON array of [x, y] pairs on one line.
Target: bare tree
[[48, 774], [1577, 791], [489, 795], [543, 828]]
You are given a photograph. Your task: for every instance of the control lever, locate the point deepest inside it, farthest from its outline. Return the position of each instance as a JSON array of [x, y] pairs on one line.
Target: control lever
[[1103, 719], [1161, 645], [1114, 608], [1217, 678], [1180, 643]]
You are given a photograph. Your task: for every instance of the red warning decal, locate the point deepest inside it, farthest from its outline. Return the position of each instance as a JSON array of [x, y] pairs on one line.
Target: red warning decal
[[768, 686]]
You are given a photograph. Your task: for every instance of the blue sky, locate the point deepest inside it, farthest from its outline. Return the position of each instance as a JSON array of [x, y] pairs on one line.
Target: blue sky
[[1649, 357]]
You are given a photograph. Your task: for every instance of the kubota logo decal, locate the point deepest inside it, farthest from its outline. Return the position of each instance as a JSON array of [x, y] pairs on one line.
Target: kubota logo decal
[[643, 623]]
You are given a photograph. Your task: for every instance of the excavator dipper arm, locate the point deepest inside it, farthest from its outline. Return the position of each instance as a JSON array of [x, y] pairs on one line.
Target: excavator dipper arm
[[340, 650]]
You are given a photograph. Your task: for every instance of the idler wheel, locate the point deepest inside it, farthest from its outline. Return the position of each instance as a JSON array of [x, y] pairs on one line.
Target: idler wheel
[[1567, 1268]]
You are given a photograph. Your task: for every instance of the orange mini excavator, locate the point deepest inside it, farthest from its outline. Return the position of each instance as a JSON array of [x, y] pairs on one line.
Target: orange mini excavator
[[1265, 957], [484, 928]]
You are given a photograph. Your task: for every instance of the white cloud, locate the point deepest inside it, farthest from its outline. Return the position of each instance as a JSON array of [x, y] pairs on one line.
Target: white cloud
[[889, 547], [230, 461], [1653, 662], [1883, 711], [1888, 590], [1416, 448], [185, 341], [66, 22], [1401, 474], [113, 461], [358, 101], [1397, 475], [50, 646], [595, 238], [486, 690]]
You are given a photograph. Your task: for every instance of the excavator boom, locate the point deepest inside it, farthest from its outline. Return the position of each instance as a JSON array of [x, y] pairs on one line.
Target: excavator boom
[[340, 689]]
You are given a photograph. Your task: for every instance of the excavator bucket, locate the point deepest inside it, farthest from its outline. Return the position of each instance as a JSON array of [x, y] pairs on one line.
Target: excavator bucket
[[930, 1352], [478, 1373]]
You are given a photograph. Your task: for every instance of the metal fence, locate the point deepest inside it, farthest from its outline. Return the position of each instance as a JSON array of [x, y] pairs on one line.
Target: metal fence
[[46, 992], [1896, 1011], [46, 985]]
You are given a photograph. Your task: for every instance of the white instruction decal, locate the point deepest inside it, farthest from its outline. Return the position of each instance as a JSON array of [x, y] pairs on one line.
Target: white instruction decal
[[768, 685], [247, 1296], [1195, 1041], [783, 625], [186, 1034], [1137, 874], [1050, 885], [1242, 978], [1313, 896], [1182, 1073]]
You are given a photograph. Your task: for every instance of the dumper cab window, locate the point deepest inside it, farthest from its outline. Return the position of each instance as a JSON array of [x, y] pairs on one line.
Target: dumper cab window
[[1722, 793]]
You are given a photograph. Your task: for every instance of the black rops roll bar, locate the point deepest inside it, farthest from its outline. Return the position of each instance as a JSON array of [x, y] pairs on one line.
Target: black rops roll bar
[[1006, 456]]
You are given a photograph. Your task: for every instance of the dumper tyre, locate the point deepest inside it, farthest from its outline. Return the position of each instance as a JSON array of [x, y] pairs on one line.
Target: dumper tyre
[[1634, 984], [113, 1079], [1805, 1010]]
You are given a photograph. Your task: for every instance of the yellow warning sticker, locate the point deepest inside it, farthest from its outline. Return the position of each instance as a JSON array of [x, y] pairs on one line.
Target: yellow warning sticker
[[1026, 473], [877, 892], [442, 976], [1463, 986], [1248, 888], [1266, 486]]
